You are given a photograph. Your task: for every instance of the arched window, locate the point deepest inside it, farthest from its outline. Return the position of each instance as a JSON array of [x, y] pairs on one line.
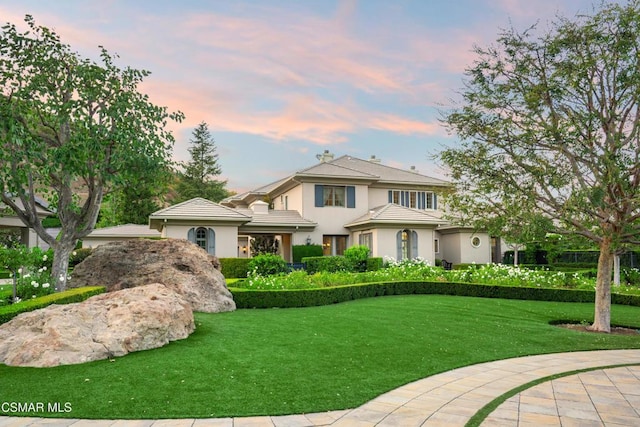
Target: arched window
[[407, 244], [203, 237]]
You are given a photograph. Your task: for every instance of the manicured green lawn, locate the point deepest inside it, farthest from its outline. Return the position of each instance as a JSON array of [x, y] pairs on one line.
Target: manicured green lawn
[[283, 361]]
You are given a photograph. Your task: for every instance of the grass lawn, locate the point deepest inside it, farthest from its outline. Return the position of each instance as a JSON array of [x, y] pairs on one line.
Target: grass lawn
[[284, 361]]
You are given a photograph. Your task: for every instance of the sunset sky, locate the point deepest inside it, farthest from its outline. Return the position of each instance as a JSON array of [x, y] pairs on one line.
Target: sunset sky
[[280, 81]]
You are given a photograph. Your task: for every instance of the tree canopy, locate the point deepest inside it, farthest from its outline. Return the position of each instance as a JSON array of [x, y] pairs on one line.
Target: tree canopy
[[70, 129], [549, 122], [199, 176]]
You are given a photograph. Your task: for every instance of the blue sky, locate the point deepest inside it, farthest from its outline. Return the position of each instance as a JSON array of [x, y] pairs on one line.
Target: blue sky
[[280, 81]]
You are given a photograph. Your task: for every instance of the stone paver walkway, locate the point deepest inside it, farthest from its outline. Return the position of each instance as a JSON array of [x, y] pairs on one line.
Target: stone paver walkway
[[605, 397], [608, 397]]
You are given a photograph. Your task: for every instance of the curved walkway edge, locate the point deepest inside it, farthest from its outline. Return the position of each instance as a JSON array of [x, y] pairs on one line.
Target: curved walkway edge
[[447, 399]]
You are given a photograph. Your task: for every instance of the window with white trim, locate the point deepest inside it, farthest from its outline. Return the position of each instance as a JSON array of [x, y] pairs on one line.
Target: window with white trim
[[413, 199], [333, 195], [333, 245], [366, 239]]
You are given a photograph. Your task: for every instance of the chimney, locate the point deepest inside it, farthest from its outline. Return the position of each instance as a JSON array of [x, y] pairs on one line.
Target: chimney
[[373, 159], [413, 169], [325, 157], [259, 207]]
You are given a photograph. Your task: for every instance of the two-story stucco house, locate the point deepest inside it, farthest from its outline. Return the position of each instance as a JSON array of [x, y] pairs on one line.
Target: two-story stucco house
[[339, 202]]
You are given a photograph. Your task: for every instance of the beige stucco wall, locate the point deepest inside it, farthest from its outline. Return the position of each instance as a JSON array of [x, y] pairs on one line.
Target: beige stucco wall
[[290, 200], [450, 248], [457, 248], [28, 236], [378, 197], [331, 219], [480, 254], [385, 243], [226, 237]]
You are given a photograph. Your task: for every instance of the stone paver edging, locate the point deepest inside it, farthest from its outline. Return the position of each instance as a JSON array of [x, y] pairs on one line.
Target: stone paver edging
[[447, 399]]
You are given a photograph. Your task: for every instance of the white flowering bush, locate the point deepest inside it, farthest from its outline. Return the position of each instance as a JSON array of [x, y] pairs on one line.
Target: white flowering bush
[[34, 278], [420, 269]]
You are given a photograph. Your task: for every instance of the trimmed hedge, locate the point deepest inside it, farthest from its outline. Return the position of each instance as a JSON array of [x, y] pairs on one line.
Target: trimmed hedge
[[303, 251], [329, 264], [236, 268], [8, 312], [246, 298], [375, 263]]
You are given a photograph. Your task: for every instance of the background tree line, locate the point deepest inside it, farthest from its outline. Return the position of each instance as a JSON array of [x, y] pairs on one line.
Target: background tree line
[[161, 187]]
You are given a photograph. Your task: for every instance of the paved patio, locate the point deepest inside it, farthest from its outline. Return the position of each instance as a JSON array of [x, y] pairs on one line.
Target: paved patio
[[602, 397]]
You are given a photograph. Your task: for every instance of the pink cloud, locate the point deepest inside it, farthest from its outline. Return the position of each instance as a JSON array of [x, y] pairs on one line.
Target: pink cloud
[[312, 52], [403, 126], [281, 74]]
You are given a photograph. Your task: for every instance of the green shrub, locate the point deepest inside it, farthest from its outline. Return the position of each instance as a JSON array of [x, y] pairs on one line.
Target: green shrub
[[32, 267], [51, 222], [466, 266], [303, 251], [72, 295], [78, 255], [327, 263], [357, 256], [267, 265], [234, 267], [375, 263], [631, 276], [572, 265]]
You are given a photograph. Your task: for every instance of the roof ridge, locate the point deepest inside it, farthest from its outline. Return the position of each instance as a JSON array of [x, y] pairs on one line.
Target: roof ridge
[[195, 200], [377, 164], [302, 171]]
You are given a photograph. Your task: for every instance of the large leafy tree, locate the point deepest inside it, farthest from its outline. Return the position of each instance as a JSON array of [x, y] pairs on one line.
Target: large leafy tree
[[70, 128], [550, 126], [132, 204], [199, 176]]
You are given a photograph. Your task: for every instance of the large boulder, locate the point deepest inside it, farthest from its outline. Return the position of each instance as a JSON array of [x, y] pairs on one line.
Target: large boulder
[[178, 264], [103, 326]]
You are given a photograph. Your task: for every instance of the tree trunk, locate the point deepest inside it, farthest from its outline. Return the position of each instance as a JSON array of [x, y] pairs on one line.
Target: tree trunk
[[616, 270], [602, 316], [14, 288], [515, 256], [61, 252]]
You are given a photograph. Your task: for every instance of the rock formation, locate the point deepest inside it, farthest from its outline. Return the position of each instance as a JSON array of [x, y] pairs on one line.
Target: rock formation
[[103, 326], [176, 263]]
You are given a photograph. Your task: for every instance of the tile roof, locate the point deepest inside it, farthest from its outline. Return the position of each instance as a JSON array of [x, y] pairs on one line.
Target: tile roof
[[200, 208], [277, 218], [126, 230], [396, 214], [344, 167], [203, 209], [42, 207], [385, 173], [330, 169]]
